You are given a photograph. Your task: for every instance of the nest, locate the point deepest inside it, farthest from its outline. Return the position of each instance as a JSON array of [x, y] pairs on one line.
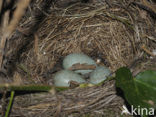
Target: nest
[[119, 33]]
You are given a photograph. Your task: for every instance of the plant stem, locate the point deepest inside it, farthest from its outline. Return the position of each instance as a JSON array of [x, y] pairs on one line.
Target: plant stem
[[10, 104]]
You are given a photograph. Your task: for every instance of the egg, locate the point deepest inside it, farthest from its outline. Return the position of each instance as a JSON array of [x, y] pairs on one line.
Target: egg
[[81, 58], [63, 77], [99, 74]]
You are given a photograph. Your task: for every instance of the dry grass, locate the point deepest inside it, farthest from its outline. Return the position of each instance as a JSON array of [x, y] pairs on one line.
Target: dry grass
[[113, 34], [9, 25]]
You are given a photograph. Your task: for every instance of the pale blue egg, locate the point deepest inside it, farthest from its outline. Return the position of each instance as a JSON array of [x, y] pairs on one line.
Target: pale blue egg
[[63, 77], [81, 58], [99, 74]]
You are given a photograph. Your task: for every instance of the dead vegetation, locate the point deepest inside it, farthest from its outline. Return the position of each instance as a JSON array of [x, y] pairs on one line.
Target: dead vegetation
[[119, 33]]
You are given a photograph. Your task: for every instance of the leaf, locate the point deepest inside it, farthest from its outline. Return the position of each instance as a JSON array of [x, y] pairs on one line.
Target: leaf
[[140, 91], [146, 83]]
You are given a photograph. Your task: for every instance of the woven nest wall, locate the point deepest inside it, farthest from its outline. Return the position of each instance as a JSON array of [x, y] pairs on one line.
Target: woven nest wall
[[117, 33], [82, 28]]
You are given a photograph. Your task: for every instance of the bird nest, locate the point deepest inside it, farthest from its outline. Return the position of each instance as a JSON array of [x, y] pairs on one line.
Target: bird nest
[[118, 33]]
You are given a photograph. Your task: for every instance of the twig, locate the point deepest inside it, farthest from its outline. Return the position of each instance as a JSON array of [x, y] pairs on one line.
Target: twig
[[4, 37], [79, 66], [11, 87], [147, 51], [21, 6]]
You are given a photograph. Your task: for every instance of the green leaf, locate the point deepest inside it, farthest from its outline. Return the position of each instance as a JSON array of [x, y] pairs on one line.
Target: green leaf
[[146, 83], [140, 91]]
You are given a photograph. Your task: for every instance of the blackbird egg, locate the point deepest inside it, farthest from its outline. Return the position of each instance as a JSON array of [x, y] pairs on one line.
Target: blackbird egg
[[99, 74], [75, 58], [63, 78]]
